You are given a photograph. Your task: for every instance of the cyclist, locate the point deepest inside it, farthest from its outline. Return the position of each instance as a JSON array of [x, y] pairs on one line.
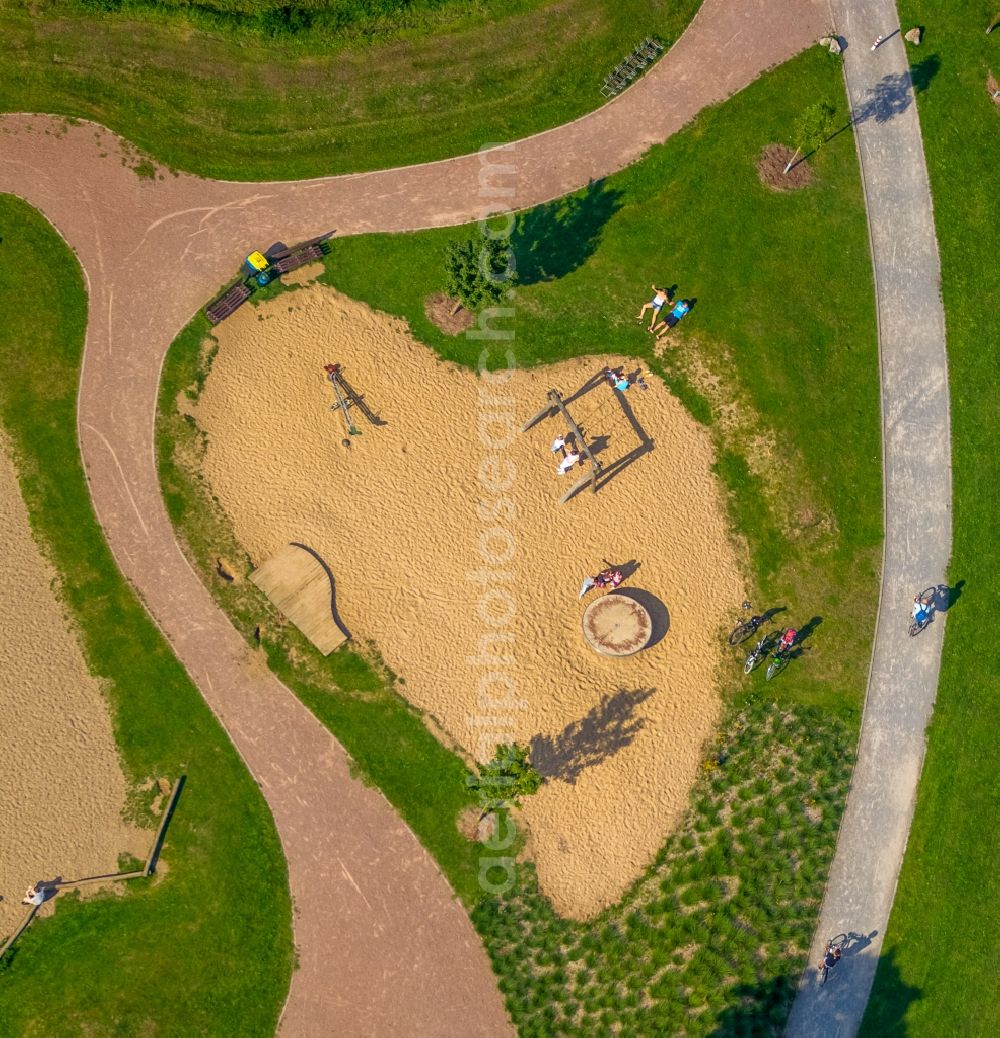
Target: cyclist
[[831, 956], [922, 609], [787, 641]]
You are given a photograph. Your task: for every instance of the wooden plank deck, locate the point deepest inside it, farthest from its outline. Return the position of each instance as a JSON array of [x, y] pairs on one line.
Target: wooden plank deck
[[299, 584]]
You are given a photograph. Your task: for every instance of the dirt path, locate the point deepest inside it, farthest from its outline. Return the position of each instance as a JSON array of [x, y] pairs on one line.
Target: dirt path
[[376, 926]]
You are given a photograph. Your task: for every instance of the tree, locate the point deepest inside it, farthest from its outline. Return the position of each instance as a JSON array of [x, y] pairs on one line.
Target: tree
[[812, 129], [479, 272], [506, 778]]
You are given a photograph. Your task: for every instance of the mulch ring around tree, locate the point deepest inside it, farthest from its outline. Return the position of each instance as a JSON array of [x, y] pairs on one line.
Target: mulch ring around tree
[[771, 165], [438, 308]]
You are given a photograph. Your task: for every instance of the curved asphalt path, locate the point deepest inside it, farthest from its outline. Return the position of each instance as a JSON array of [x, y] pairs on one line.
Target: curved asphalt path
[[916, 448], [383, 948]]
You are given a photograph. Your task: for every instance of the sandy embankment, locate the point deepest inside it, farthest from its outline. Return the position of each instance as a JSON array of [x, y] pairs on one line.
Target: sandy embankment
[[417, 543], [63, 789]]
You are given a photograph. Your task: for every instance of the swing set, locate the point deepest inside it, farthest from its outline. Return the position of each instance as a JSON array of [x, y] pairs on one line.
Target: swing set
[[558, 406]]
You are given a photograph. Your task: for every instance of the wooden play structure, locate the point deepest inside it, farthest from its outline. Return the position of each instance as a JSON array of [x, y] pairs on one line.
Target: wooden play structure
[[53, 887], [556, 406], [261, 268], [300, 585], [347, 397]]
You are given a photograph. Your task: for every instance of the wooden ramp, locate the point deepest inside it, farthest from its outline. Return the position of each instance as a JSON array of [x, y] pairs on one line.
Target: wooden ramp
[[299, 583]]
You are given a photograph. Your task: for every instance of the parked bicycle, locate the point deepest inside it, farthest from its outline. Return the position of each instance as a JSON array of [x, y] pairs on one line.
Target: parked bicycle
[[923, 610], [831, 956], [745, 628], [758, 653], [782, 653]]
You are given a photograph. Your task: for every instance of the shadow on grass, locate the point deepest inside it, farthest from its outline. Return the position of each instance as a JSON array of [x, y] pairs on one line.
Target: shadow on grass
[[763, 1008], [607, 728], [555, 239]]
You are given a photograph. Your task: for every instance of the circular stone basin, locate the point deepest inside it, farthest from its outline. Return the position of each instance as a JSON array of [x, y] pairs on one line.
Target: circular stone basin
[[616, 625]]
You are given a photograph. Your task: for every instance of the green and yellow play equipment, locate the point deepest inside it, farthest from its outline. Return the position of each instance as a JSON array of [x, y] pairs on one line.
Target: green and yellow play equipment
[[261, 268]]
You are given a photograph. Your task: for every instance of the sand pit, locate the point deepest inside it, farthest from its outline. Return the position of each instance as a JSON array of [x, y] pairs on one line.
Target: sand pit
[[63, 787], [451, 551]]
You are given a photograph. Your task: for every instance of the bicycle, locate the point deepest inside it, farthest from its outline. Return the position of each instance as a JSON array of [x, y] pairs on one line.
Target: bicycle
[[745, 628], [831, 955], [779, 661], [756, 655], [927, 599]]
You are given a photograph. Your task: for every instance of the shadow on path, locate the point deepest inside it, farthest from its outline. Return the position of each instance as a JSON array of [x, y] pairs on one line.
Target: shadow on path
[[891, 95]]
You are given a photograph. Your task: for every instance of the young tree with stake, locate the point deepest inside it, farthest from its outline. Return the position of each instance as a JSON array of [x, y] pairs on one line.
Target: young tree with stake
[[812, 129]]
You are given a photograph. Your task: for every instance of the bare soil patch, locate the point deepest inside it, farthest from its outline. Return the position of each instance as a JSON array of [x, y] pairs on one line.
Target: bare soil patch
[[771, 165], [438, 308]]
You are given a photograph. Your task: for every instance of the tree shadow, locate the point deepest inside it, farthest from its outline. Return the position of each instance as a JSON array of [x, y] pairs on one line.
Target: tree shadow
[[892, 95], [757, 1009], [554, 239], [658, 613], [607, 728], [763, 1008]]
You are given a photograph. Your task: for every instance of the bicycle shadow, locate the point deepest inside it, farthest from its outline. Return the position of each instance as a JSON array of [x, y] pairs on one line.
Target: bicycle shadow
[[945, 596], [857, 942]]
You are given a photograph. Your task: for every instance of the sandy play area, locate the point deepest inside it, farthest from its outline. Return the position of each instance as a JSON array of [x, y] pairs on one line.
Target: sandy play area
[[452, 552], [63, 787]]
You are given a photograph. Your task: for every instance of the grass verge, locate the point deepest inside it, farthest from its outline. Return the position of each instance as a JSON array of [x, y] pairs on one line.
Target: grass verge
[[712, 938], [937, 975], [209, 941], [242, 107]]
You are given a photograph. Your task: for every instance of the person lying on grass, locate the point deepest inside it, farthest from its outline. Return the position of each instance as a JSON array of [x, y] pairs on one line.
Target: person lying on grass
[[681, 307], [656, 304]]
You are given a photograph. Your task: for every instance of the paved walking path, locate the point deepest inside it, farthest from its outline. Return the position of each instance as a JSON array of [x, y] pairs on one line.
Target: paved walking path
[[917, 465], [383, 948]]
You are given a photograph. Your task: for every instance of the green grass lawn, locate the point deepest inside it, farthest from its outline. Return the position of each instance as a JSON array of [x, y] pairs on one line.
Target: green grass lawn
[[947, 906], [778, 349], [240, 106], [208, 942]]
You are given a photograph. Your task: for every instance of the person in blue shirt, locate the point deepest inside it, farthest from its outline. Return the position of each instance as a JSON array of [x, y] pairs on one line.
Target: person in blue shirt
[[681, 307]]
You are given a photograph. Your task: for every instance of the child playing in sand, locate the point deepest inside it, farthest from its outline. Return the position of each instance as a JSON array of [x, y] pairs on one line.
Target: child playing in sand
[[37, 894], [567, 463], [617, 380], [656, 304]]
